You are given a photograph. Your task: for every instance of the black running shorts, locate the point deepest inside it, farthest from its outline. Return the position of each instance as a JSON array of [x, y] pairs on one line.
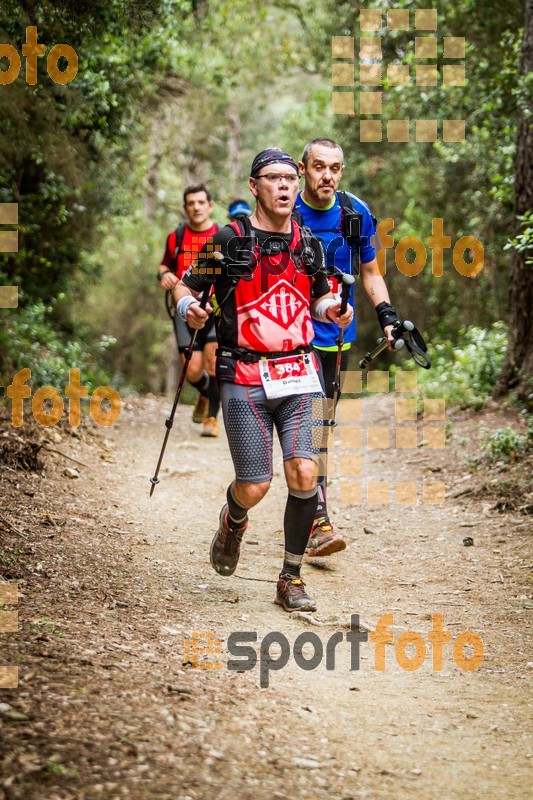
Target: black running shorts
[[184, 334]]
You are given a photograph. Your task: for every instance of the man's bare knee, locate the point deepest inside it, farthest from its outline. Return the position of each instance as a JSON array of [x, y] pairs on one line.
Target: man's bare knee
[[195, 369], [249, 494], [210, 358], [301, 473]]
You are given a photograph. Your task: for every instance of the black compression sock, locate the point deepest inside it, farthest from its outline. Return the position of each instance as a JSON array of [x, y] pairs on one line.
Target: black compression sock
[[298, 521], [202, 385], [237, 514], [291, 565]]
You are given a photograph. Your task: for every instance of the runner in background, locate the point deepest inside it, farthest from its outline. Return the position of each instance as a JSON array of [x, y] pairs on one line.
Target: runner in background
[[238, 207], [181, 249], [322, 209]]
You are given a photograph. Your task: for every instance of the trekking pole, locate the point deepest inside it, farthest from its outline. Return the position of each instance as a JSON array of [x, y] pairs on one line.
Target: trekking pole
[[399, 328], [170, 421], [347, 282]]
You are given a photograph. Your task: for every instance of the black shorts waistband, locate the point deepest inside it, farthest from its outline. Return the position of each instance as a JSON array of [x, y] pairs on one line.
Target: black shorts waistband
[[253, 356]]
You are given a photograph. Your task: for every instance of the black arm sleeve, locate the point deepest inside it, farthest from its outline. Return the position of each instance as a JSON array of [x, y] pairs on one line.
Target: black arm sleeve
[[320, 285]]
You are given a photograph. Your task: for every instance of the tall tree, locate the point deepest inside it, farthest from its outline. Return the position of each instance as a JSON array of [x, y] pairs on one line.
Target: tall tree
[[517, 369]]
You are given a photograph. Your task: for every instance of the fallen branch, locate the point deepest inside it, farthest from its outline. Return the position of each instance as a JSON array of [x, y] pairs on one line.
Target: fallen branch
[[11, 527], [459, 493], [53, 450]]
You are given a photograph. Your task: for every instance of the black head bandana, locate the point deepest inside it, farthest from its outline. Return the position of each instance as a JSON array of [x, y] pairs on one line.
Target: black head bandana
[[272, 155]]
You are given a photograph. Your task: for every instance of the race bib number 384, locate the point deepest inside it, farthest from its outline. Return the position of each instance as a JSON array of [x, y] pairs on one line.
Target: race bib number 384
[[282, 377]]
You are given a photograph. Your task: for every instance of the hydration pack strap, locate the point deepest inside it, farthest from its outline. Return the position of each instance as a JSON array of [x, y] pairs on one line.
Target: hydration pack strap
[[254, 356]]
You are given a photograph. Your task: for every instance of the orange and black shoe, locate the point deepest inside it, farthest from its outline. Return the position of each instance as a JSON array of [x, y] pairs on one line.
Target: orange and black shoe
[[201, 407], [211, 427], [291, 594], [323, 540], [226, 545]]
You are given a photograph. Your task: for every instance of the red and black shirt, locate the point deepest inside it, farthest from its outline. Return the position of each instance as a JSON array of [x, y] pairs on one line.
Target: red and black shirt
[[179, 260], [266, 310]]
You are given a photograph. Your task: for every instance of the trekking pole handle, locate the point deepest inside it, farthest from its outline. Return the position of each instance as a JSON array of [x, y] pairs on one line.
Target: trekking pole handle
[[398, 328], [379, 348], [203, 302], [206, 294], [347, 283], [397, 344]]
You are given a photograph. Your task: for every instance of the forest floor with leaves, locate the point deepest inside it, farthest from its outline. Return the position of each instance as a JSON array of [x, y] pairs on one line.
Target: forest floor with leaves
[[113, 584]]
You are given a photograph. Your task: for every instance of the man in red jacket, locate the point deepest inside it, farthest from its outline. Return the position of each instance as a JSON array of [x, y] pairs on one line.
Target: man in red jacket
[[269, 281], [181, 250]]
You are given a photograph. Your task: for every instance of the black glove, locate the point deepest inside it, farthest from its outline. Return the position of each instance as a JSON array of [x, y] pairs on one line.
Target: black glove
[[386, 314]]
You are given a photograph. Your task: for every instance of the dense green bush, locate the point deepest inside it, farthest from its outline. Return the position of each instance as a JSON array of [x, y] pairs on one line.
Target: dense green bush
[[28, 338], [523, 241], [504, 443], [466, 376]]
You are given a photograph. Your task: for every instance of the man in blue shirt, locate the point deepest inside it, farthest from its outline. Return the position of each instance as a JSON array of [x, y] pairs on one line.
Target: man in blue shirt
[[319, 204]]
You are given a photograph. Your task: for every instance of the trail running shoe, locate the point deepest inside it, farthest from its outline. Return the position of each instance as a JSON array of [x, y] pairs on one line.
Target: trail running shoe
[[323, 540], [226, 545], [199, 412], [211, 427], [291, 594]]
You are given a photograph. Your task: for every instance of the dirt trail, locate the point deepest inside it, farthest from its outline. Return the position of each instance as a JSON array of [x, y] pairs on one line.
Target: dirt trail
[[111, 706]]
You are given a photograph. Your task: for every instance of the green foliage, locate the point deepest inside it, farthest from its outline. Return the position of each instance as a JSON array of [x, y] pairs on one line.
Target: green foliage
[[505, 443], [129, 304], [523, 242], [171, 92], [53, 768], [470, 184], [29, 339], [61, 144], [466, 376]]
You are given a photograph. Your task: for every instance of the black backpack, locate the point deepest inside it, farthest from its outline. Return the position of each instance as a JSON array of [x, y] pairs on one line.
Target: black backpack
[[243, 262], [179, 234], [311, 254], [351, 221]]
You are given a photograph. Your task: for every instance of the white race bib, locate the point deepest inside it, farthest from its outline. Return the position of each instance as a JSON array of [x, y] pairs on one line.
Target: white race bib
[[282, 377]]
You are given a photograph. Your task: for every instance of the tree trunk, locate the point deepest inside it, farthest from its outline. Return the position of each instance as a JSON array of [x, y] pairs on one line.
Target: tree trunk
[[517, 371], [199, 9], [152, 179], [234, 151], [193, 168]]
